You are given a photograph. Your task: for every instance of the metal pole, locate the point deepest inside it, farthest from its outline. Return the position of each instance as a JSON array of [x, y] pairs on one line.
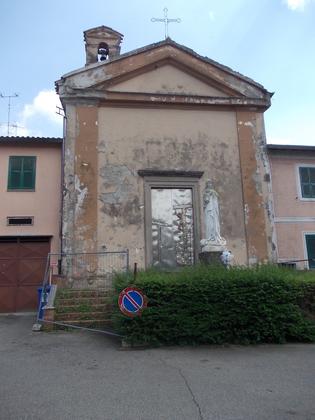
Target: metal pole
[[9, 108], [127, 251], [135, 271]]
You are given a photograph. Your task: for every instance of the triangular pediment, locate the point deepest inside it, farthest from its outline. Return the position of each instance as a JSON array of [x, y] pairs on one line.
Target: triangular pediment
[[167, 79], [165, 68]]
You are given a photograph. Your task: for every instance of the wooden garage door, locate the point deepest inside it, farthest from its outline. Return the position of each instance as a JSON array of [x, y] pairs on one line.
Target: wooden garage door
[[22, 267]]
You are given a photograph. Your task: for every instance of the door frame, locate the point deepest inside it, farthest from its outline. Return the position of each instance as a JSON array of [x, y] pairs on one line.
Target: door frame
[[180, 182]]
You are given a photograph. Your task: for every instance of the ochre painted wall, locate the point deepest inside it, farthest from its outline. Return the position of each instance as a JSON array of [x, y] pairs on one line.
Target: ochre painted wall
[[255, 177]]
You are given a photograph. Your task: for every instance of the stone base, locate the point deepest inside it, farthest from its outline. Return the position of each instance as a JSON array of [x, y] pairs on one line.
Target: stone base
[[210, 258], [49, 315]]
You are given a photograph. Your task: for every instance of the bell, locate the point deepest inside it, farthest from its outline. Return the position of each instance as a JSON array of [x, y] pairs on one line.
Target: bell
[[103, 52]]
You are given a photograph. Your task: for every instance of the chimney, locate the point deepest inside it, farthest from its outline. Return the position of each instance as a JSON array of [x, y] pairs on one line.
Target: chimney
[[101, 44]]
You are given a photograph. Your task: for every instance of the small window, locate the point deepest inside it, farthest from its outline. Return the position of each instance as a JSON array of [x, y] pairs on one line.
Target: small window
[[22, 173], [20, 221]]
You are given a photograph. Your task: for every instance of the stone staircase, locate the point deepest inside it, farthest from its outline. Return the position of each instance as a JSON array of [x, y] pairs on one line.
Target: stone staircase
[[83, 307]]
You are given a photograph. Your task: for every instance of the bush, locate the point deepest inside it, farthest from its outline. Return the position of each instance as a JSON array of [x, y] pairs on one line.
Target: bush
[[213, 305]]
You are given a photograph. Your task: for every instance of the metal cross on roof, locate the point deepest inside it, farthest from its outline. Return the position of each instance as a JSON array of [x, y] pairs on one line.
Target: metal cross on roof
[[166, 21]]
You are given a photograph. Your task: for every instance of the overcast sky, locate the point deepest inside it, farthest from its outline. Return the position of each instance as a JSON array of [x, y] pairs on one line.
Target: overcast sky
[[270, 41]]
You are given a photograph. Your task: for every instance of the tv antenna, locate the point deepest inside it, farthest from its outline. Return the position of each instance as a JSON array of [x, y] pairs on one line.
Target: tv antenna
[[9, 97], [13, 126], [60, 111]]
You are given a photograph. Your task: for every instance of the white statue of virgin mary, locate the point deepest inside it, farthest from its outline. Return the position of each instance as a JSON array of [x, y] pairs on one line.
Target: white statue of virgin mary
[[213, 240]]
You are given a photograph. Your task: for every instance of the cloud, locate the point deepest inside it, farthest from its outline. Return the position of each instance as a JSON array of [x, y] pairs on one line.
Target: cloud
[[211, 15], [15, 130], [44, 106], [297, 5], [37, 118]]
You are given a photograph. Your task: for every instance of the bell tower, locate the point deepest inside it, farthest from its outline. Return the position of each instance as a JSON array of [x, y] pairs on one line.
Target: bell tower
[[101, 44]]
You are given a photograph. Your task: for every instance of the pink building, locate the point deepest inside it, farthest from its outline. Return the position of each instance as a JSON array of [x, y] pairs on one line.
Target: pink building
[[293, 186], [30, 197]]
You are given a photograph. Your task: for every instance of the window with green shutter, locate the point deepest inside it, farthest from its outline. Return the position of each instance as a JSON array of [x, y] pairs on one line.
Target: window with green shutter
[[307, 180], [22, 173]]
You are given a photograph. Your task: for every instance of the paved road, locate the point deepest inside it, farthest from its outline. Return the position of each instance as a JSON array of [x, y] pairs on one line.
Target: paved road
[[85, 375]]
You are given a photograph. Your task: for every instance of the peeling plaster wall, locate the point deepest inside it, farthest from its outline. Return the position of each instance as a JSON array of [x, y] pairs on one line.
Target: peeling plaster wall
[[154, 127], [86, 177], [104, 196], [80, 180], [105, 71], [69, 202], [133, 139], [256, 177]]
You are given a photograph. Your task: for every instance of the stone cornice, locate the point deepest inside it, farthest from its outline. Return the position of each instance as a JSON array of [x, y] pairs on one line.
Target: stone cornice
[[169, 173], [154, 99]]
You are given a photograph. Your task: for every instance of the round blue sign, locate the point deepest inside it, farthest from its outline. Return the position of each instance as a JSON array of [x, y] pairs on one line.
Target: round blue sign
[[132, 301]]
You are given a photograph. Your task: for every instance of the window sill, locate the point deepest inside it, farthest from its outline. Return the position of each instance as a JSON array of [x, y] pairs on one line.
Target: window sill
[[306, 199], [20, 190]]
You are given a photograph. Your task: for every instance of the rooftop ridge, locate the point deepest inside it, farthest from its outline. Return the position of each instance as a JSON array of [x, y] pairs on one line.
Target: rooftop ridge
[[30, 139]]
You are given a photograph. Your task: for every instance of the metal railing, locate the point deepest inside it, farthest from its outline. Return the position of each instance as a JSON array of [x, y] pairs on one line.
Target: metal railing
[[80, 270]]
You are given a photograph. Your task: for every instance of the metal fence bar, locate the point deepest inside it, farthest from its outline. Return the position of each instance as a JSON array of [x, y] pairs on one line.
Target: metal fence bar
[[62, 324], [92, 269]]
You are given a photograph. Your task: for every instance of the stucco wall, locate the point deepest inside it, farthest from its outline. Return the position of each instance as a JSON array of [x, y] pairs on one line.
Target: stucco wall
[[133, 139], [145, 111], [291, 241], [43, 203], [293, 217], [167, 79], [285, 182], [104, 195]]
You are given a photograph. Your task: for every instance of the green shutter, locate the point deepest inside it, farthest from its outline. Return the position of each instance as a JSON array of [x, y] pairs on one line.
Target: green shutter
[[22, 173], [310, 245]]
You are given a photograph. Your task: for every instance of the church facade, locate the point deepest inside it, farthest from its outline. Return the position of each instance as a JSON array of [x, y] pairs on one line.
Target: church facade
[[146, 131]]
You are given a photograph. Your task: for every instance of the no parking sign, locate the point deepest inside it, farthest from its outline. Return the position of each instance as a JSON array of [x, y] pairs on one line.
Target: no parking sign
[[132, 301]]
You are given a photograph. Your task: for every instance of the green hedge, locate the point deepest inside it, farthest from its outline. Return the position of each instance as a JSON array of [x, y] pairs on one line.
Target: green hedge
[[214, 305]]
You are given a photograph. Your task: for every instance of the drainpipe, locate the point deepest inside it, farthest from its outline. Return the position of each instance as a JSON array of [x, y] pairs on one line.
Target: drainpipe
[[62, 182]]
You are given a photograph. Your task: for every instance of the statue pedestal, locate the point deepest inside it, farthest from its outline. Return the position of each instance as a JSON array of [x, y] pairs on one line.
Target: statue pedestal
[[210, 257]]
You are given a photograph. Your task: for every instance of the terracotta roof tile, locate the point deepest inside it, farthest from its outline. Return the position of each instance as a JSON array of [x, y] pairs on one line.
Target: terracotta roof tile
[[28, 139]]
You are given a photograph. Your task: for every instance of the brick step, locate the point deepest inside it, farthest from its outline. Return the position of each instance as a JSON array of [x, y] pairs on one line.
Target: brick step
[[63, 309], [89, 323], [60, 301], [83, 293]]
